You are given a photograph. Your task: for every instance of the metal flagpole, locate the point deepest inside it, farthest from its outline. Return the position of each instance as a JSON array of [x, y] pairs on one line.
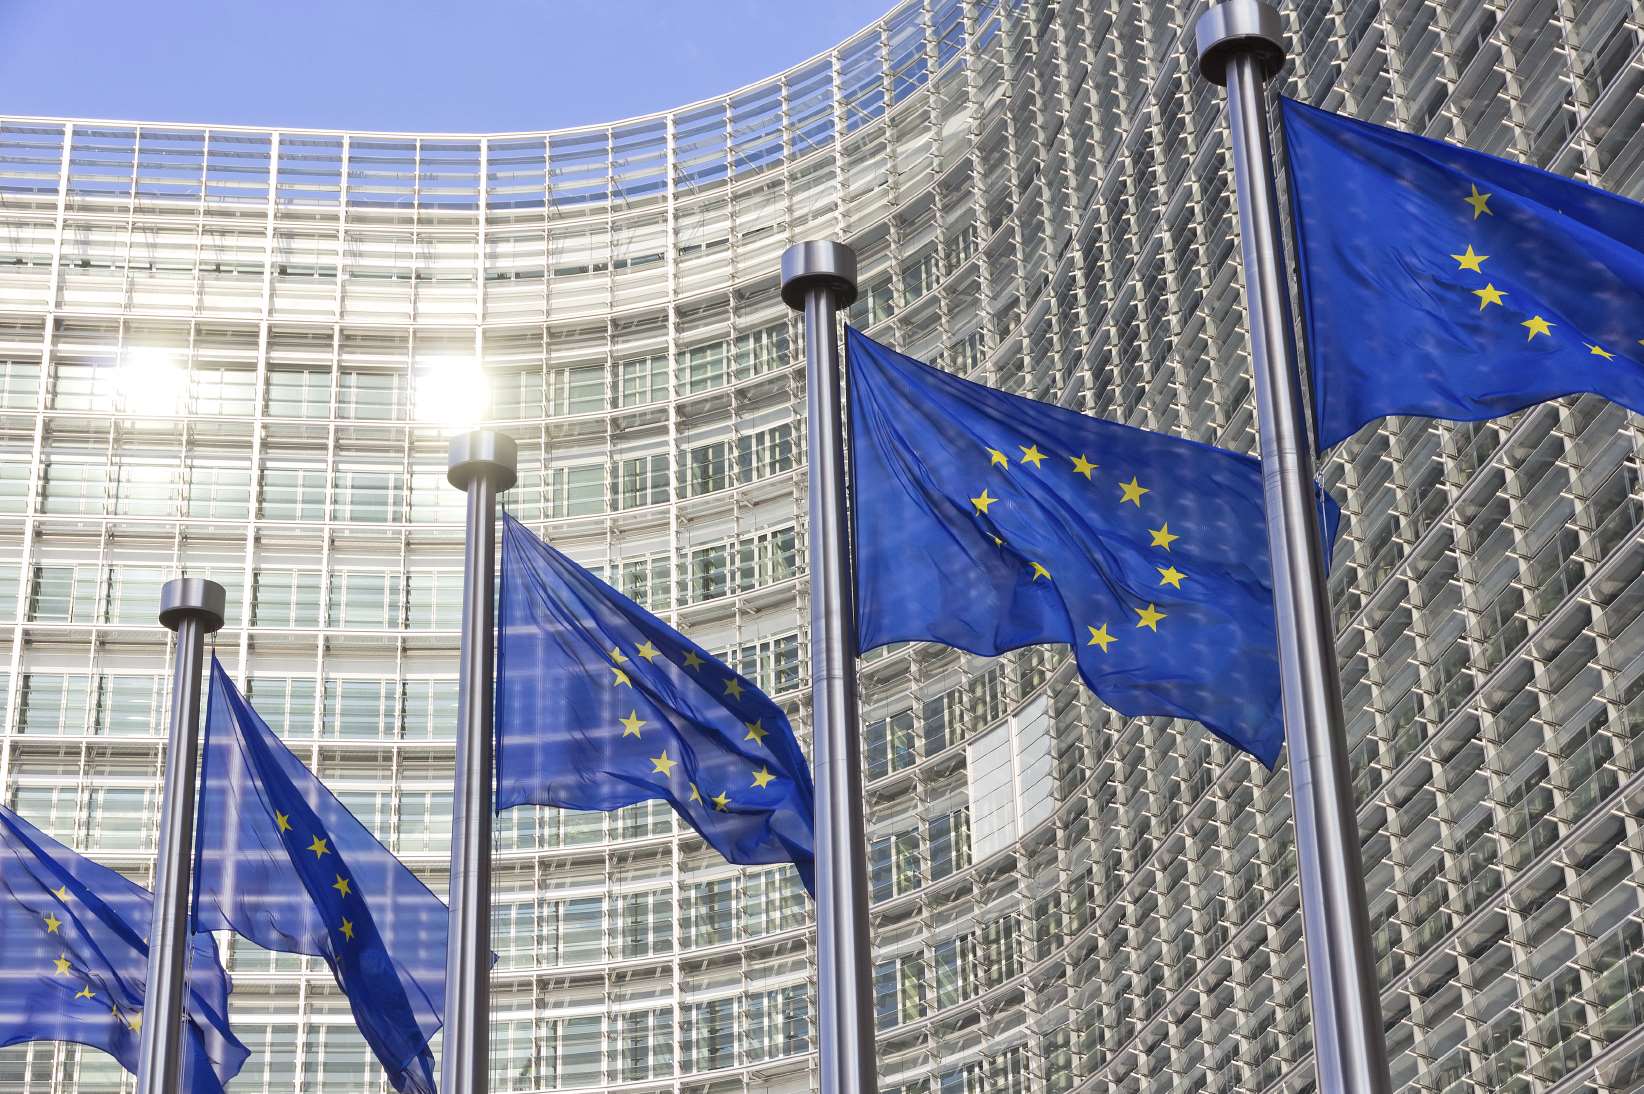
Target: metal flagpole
[[819, 278], [193, 607], [482, 463], [1240, 45]]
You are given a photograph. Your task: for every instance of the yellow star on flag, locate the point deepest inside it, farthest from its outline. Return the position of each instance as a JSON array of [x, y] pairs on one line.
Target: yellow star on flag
[[722, 801], [1479, 202], [631, 724], [1488, 295], [617, 655], [341, 885], [1082, 466], [319, 848], [1169, 575], [85, 993], [1031, 454], [347, 929], [1133, 492], [52, 923], [619, 678], [982, 501], [1163, 536], [135, 1022], [1599, 351], [997, 458], [282, 821], [61, 892], [646, 650], [1100, 637], [762, 778], [756, 731], [733, 688], [696, 795], [1470, 260], [62, 964], [1536, 325], [662, 765], [692, 661], [1039, 571], [1150, 617]]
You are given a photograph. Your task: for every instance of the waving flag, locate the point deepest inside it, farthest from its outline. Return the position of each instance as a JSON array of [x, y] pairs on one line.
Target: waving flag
[[282, 862], [1447, 283], [600, 705], [988, 522], [74, 960]]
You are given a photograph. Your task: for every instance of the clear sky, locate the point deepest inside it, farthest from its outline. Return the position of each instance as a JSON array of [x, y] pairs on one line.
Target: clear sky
[[432, 65]]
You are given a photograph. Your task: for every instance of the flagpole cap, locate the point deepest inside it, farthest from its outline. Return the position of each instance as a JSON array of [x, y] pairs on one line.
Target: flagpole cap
[[193, 597], [1239, 26], [818, 264], [484, 452]]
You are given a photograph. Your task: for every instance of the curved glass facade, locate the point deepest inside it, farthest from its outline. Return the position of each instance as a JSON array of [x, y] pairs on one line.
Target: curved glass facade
[[227, 351]]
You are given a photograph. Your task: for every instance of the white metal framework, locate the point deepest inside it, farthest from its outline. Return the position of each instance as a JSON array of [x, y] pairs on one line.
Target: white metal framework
[[228, 352]]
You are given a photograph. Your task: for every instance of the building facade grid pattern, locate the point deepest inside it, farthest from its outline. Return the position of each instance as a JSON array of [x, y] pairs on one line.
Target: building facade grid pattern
[[1040, 195]]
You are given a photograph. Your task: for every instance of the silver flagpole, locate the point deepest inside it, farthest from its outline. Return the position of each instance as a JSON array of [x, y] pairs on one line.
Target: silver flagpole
[[193, 607], [482, 463], [1240, 45], [819, 278]]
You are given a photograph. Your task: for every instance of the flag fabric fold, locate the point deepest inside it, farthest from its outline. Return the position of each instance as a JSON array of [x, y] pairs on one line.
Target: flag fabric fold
[[74, 961], [988, 522], [1447, 283], [283, 863], [601, 705]]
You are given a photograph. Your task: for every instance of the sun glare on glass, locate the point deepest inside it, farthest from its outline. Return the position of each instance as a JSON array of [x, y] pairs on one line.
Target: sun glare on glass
[[451, 393], [150, 383]]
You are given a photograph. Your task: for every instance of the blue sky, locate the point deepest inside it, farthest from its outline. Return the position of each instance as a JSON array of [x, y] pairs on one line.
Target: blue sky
[[456, 65]]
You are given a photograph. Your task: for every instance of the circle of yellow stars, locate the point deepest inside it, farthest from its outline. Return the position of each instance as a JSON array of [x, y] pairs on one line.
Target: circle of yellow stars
[[63, 967], [319, 848], [663, 764], [1130, 493], [1536, 326]]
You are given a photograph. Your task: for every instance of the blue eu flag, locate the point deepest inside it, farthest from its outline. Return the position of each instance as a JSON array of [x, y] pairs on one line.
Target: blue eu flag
[[1445, 283], [282, 862], [74, 960], [988, 522], [600, 705]]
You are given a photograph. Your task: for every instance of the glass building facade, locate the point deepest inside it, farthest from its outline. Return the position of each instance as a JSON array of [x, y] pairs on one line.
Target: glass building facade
[[223, 352]]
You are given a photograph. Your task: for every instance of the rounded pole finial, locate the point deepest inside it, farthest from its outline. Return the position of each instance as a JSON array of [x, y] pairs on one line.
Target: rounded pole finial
[[193, 597], [487, 452], [1239, 26], [818, 264]]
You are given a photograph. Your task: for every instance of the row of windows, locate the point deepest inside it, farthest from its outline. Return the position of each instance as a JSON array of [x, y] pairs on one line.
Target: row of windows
[[299, 707], [914, 985], [160, 486], [541, 932], [382, 394]]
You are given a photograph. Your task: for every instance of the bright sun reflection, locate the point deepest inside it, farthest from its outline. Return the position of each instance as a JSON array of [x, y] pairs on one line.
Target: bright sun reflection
[[150, 383], [451, 392]]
